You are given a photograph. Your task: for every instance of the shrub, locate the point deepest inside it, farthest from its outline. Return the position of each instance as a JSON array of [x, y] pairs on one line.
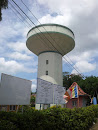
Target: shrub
[[7, 125], [51, 118]]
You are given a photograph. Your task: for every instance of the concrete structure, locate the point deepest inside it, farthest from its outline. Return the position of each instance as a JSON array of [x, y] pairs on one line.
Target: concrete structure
[[50, 42], [52, 70], [81, 101]]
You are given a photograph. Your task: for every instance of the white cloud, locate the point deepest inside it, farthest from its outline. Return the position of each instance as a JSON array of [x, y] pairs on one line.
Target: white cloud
[[10, 66], [78, 57], [34, 81], [80, 16], [84, 66], [19, 56], [61, 19], [11, 29], [81, 56], [13, 67], [34, 85], [33, 88], [94, 36], [75, 6], [31, 70], [82, 61], [19, 46]]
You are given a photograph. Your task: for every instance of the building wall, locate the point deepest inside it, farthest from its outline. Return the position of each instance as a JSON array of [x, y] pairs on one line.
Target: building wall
[[7, 108], [54, 67], [70, 102]]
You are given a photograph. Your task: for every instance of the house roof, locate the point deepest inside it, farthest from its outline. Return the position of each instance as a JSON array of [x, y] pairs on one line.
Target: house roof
[[80, 91]]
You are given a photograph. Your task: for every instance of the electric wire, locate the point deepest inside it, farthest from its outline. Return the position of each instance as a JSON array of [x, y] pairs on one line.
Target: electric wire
[[47, 32], [34, 24], [41, 38], [18, 13], [41, 32], [46, 37], [18, 16]]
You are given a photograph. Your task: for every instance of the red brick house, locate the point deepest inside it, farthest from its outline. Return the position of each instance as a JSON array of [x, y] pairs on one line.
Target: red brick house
[[81, 101]]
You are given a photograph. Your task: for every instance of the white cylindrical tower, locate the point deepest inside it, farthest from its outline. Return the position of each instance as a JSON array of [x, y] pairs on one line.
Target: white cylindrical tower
[[50, 42], [50, 67]]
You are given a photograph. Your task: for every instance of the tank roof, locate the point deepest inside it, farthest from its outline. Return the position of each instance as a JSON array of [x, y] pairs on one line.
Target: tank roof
[[50, 24], [50, 37]]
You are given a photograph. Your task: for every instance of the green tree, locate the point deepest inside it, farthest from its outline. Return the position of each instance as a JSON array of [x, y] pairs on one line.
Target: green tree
[[32, 101], [76, 78], [69, 79], [89, 85], [3, 5], [66, 79]]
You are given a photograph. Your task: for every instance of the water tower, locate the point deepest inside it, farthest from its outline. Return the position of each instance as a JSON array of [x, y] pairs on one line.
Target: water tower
[[50, 42]]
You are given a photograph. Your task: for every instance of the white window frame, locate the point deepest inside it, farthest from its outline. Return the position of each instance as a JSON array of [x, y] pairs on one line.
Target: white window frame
[[12, 108]]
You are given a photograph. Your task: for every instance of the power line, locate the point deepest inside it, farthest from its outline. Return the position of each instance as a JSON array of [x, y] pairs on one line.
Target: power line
[[34, 24], [39, 22], [31, 21], [18, 14], [42, 32], [45, 36], [46, 31], [41, 38]]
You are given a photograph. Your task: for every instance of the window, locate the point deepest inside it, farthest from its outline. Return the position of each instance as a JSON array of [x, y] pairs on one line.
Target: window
[[46, 72], [74, 103], [47, 62], [12, 107]]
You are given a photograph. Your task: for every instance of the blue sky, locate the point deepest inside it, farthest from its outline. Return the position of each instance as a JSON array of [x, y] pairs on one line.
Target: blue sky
[[79, 15]]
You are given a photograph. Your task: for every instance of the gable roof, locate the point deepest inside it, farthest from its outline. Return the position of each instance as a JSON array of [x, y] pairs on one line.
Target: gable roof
[[80, 91]]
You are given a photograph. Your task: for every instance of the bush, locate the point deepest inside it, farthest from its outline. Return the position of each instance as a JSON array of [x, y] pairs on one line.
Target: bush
[[7, 125], [51, 118]]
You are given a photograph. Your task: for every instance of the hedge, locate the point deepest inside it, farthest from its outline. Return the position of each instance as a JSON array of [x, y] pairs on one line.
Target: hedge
[[51, 119]]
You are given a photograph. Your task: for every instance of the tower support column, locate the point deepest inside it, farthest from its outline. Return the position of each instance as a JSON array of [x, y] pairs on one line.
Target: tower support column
[[50, 67]]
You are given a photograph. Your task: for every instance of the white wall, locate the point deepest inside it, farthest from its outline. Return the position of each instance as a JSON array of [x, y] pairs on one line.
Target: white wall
[[51, 28], [54, 67], [14, 90]]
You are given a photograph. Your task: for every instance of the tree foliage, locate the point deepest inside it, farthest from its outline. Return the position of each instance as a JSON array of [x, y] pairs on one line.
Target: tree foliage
[[3, 5], [69, 79], [89, 84], [32, 101]]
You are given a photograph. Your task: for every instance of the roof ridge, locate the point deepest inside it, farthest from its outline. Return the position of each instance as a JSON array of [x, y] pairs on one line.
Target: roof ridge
[[80, 91]]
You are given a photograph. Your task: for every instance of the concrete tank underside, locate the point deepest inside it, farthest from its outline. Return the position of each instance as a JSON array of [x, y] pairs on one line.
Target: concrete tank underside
[[50, 37]]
